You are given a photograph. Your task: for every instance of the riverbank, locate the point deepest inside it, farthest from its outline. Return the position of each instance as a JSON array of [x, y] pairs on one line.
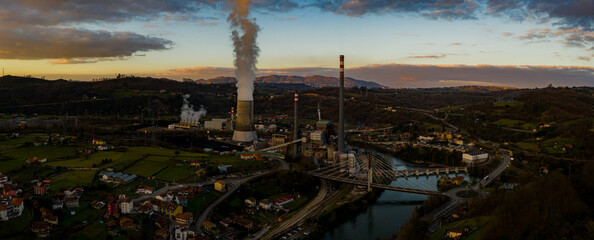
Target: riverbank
[[407, 155]]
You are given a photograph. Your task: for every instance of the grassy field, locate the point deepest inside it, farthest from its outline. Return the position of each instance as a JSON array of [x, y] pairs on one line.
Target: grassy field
[[17, 225], [176, 173], [15, 143], [528, 146], [49, 152], [145, 168], [72, 179], [509, 122], [473, 222], [556, 145], [121, 160], [92, 231], [200, 202]]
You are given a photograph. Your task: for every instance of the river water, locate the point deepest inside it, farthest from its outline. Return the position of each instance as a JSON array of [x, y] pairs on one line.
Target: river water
[[391, 210]]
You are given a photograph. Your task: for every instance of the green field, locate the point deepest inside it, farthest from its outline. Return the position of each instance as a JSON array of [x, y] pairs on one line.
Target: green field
[[17, 225], [479, 222], [145, 168], [121, 160], [92, 231], [556, 145], [72, 179], [176, 173], [15, 143], [509, 122], [230, 160], [528, 146], [49, 152]]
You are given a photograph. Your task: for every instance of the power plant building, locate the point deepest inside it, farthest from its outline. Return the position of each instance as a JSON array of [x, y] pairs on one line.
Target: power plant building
[[244, 124], [216, 124]]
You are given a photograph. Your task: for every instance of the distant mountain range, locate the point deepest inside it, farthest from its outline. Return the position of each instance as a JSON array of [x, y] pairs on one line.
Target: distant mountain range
[[312, 81]]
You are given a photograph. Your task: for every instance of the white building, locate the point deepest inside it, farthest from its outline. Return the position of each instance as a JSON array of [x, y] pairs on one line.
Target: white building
[[126, 206], [475, 157], [183, 233]]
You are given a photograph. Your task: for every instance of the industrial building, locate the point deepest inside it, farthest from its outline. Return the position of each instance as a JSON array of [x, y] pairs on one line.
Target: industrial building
[[216, 124], [474, 157]]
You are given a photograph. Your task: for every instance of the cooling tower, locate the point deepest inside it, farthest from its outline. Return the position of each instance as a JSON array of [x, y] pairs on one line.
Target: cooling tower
[[244, 124]]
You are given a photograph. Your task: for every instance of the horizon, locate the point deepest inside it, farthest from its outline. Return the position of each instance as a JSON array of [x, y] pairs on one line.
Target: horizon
[[397, 44]]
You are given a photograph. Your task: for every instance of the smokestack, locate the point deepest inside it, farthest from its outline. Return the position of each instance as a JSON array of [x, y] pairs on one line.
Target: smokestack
[[341, 108], [244, 126], [232, 113], [296, 126]]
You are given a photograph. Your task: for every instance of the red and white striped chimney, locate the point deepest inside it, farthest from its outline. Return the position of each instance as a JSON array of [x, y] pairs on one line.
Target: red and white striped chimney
[[296, 96], [232, 113]]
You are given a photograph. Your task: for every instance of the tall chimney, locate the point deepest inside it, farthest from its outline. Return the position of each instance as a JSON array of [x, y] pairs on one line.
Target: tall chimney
[[244, 126], [341, 108], [296, 127], [232, 113]]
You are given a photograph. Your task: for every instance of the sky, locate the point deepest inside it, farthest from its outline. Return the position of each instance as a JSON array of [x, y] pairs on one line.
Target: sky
[[397, 43]]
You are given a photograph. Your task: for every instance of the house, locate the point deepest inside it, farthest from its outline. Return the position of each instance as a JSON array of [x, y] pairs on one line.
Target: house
[[184, 219], [97, 141], [112, 208], [42, 229], [71, 201], [183, 233], [146, 208], [195, 163], [51, 219], [181, 200], [127, 223], [161, 221], [3, 179], [144, 190], [126, 206], [247, 224], [219, 185], [41, 188], [222, 168], [226, 221], [161, 234], [97, 204], [283, 201], [265, 204], [164, 197], [57, 204], [209, 227], [170, 209], [10, 207], [250, 202]]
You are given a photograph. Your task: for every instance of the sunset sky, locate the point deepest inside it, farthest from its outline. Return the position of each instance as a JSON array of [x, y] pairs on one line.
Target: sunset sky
[[398, 43]]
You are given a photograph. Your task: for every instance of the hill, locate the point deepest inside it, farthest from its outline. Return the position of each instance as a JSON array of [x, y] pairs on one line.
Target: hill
[[312, 81]]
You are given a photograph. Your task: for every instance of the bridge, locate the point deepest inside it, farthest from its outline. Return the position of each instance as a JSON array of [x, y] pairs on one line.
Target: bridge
[[373, 171], [276, 147]]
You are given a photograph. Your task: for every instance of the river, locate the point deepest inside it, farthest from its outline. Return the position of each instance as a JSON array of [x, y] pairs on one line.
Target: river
[[390, 211]]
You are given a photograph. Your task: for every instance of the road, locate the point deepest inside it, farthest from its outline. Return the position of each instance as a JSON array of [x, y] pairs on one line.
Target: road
[[455, 201], [299, 216], [235, 183]]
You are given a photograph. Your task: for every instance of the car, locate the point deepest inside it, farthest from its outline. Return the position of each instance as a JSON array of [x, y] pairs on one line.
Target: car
[[486, 178]]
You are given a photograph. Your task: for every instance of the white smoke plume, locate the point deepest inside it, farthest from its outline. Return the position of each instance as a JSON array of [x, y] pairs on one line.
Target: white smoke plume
[[244, 33], [188, 114]]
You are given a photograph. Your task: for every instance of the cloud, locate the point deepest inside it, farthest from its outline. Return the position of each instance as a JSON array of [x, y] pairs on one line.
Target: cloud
[[573, 37], [507, 34], [463, 82], [412, 76], [455, 44], [30, 43], [429, 56], [584, 58], [435, 9], [569, 13]]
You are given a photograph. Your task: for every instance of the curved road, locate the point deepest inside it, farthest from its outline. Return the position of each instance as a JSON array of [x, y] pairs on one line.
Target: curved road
[[456, 201], [302, 214], [235, 184]]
